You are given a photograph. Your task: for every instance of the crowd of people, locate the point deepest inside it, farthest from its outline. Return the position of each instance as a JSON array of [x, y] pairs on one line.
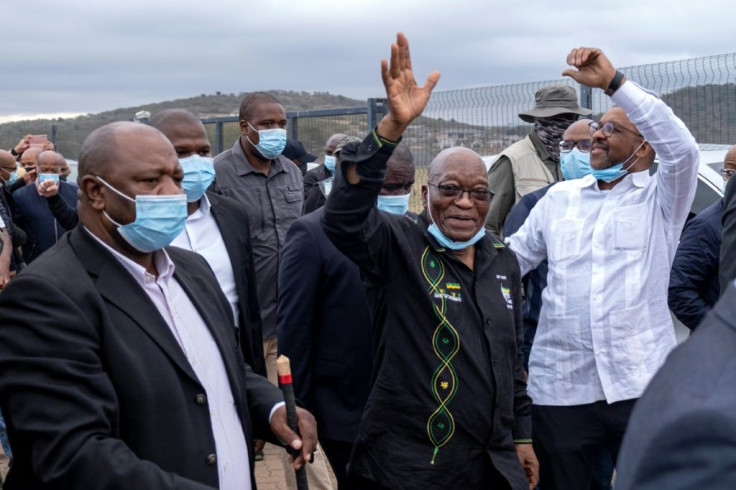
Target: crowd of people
[[514, 334]]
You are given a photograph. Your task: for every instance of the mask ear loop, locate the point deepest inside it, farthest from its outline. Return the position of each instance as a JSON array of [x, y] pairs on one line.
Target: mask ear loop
[[637, 158]]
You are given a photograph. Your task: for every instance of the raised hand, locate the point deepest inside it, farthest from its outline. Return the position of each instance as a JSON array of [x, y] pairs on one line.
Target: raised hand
[[406, 99], [593, 68]]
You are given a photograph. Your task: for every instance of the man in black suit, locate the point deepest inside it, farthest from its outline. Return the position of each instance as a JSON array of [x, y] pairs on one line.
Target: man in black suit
[[217, 228], [118, 368], [324, 324], [727, 260], [682, 433], [315, 193], [32, 213]]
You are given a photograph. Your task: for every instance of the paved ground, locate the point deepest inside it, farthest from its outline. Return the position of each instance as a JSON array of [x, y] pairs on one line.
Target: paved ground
[[270, 474]]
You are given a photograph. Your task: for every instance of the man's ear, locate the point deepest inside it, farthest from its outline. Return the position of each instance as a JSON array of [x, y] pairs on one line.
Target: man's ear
[[425, 190], [243, 127], [90, 188]]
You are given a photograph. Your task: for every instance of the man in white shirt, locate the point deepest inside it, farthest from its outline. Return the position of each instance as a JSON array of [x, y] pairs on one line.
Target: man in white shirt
[[610, 239], [217, 228]]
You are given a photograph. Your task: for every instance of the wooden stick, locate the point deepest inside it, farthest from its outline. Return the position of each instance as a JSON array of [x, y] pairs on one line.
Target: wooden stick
[[283, 367]]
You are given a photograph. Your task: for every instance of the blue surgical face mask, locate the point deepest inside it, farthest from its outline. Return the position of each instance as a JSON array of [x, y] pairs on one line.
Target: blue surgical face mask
[[575, 164], [12, 177], [617, 171], [446, 242], [45, 177], [158, 220], [271, 142], [199, 172], [330, 163], [394, 204]]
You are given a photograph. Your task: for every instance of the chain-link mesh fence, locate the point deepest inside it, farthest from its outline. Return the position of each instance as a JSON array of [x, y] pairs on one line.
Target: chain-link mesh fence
[[701, 91]]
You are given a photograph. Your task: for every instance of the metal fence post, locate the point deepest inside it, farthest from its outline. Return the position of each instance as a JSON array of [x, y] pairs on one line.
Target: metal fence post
[[219, 147], [586, 97], [293, 127], [377, 108]]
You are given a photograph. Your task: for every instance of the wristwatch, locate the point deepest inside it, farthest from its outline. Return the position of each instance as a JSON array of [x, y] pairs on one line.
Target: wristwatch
[[615, 83]]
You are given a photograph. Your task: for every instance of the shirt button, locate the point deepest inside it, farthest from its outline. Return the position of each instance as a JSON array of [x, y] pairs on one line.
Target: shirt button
[[200, 399], [211, 460]]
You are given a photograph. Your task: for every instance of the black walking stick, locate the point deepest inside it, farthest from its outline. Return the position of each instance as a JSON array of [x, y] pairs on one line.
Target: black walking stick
[[284, 369]]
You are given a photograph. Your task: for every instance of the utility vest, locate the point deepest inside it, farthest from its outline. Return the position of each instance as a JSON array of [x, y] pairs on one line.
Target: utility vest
[[530, 173]]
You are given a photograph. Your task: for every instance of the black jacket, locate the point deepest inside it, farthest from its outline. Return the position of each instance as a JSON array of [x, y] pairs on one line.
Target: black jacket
[[324, 327], [449, 396], [694, 287], [232, 220], [727, 266], [682, 432], [94, 387], [314, 198]]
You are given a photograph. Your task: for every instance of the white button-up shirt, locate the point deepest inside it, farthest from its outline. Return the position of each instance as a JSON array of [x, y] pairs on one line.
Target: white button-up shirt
[[605, 328], [202, 235], [198, 344]]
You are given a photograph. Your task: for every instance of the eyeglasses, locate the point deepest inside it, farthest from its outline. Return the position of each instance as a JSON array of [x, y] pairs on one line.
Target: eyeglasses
[[727, 173], [566, 146], [609, 128], [478, 195]]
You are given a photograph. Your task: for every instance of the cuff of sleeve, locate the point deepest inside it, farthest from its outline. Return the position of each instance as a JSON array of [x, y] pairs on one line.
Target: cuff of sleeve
[[273, 410], [629, 96], [522, 441], [380, 140]]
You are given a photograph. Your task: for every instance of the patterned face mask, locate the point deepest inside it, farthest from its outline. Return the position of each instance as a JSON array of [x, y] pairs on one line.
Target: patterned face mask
[[550, 131]]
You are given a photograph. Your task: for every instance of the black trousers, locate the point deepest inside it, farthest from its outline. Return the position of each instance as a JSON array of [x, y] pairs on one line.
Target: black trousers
[[338, 454], [568, 440]]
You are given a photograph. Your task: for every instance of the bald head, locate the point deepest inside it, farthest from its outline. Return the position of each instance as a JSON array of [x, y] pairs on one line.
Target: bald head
[[458, 156], [7, 159], [184, 130], [577, 131], [332, 143], [169, 118], [102, 148], [48, 162], [30, 157], [729, 161], [457, 197]]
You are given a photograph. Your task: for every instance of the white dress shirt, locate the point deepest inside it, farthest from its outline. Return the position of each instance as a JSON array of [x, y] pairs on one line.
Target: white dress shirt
[[202, 235], [605, 327], [196, 340]]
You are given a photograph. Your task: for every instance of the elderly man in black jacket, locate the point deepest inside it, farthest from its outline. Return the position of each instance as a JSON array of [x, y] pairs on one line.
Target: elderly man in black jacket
[[448, 407]]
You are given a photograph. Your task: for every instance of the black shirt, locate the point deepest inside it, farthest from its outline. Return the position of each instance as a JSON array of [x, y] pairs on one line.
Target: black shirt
[[448, 397]]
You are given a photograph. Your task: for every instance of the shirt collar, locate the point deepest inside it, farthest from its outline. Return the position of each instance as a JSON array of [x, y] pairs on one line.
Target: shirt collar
[[244, 167], [637, 179], [161, 260], [203, 210]]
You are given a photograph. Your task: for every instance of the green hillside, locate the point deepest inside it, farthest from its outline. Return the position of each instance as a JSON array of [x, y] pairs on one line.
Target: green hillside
[[71, 132]]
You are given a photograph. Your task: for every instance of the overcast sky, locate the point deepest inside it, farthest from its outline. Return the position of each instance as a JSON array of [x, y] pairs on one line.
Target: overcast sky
[[78, 56]]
